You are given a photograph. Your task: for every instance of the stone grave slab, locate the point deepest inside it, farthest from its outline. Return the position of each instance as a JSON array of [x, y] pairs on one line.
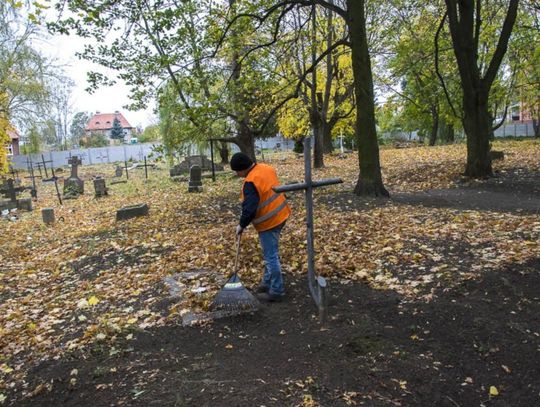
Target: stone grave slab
[[195, 179], [100, 188], [188, 282], [47, 214], [132, 211], [73, 186], [200, 160]]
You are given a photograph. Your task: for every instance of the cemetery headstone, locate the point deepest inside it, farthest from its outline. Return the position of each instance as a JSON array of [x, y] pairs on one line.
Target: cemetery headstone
[[202, 161], [10, 191], [118, 172], [47, 214], [25, 204], [195, 179], [73, 186], [132, 211], [100, 187]]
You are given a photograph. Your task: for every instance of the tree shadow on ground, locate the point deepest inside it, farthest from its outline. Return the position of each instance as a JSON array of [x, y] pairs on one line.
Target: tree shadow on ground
[[513, 191], [378, 349]]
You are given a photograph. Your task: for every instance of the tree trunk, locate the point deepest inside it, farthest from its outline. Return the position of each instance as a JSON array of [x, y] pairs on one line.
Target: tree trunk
[[246, 142], [318, 148], [477, 126], [536, 127], [224, 153], [434, 126], [446, 132], [328, 145], [316, 98], [465, 21], [369, 178]]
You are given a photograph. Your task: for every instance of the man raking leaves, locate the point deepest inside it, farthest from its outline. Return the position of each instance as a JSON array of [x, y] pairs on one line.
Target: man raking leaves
[[267, 211]]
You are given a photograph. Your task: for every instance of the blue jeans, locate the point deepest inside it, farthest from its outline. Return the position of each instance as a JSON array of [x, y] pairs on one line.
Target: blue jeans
[[272, 277]]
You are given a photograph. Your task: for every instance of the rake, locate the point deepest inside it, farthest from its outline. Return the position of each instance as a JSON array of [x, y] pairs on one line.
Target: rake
[[234, 297]]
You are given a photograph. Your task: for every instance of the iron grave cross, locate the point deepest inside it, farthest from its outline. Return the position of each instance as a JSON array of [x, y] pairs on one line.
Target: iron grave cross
[[317, 285]]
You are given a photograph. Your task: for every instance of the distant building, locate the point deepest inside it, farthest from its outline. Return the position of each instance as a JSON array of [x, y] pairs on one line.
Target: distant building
[[103, 123], [13, 147], [522, 113]]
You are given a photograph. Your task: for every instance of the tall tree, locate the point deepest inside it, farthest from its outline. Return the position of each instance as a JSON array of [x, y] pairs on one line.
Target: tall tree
[[465, 23], [117, 132], [78, 125], [353, 12], [370, 177], [411, 75]]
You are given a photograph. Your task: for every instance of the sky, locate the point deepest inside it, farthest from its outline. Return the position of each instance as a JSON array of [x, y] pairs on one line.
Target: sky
[[105, 99]]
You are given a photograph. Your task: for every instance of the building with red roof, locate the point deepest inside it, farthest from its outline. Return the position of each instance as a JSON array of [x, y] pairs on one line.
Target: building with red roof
[[13, 147], [103, 123]]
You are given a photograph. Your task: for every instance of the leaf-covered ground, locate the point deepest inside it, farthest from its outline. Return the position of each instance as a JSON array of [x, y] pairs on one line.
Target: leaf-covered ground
[[434, 292]]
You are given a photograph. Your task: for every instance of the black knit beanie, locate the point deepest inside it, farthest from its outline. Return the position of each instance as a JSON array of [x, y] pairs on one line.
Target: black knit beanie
[[240, 161]]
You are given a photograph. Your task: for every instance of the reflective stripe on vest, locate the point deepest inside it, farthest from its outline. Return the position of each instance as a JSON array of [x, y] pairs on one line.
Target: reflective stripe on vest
[[271, 213], [268, 201]]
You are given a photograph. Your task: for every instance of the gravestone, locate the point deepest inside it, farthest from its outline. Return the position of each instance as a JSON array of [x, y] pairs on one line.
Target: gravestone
[[100, 187], [73, 186], [118, 172], [195, 179], [47, 214], [132, 211], [202, 161], [10, 191]]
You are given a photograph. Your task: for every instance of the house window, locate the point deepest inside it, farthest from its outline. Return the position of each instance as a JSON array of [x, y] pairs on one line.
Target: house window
[[10, 149]]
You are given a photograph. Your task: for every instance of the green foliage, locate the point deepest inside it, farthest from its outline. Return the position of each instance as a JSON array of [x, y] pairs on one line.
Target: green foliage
[[150, 133], [78, 124], [23, 70], [95, 139], [34, 141]]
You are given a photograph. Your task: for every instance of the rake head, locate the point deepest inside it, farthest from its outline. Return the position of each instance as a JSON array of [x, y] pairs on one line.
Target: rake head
[[234, 298]]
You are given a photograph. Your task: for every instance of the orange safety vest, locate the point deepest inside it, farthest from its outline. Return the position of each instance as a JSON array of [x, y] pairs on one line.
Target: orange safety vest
[[273, 209]]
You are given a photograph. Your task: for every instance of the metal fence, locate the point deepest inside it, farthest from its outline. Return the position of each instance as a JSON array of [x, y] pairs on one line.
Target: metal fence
[[89, 156]]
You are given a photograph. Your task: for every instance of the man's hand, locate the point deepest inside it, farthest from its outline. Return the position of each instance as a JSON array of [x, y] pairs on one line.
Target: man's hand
[[239, 230]]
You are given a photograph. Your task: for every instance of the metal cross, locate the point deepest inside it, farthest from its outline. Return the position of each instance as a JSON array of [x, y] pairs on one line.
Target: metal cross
[[45, 167], [32, 176], [317, 284], [14, 172]]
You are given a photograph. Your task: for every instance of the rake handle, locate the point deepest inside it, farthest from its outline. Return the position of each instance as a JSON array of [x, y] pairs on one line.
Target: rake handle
[[237, 254]]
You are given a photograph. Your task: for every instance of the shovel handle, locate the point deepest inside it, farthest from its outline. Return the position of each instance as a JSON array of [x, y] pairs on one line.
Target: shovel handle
[[237, 254]]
